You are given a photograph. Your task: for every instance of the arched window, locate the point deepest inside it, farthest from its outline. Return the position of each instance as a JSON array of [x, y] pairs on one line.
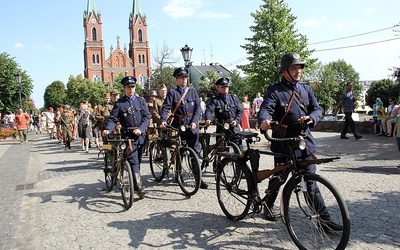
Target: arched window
[[93, 59], [140, 59], [98, 59], [94, 34], [96, 78], [143, 61], [140, 36]]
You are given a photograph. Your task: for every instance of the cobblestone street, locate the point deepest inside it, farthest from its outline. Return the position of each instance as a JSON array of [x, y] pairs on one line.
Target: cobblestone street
[[54, 199]]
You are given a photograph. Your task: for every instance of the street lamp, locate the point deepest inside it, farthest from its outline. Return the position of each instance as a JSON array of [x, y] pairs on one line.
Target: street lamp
[[107, 85], [187, 55], [18, 78]]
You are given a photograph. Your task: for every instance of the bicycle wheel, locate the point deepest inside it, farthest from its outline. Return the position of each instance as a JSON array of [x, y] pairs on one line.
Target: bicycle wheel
[[127, 184], [109, 174], [203, 161], [317, 220], [156, 160], [188, 171], [234, 185], [233, 147]]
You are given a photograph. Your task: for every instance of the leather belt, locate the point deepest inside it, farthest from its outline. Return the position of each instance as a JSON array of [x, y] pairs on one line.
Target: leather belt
[[225, 121], [128, 128], [184, 116]]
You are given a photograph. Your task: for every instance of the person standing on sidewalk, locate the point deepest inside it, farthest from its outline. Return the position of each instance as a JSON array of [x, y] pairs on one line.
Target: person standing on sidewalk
[[21, 122], [132, 112], [347, 103]]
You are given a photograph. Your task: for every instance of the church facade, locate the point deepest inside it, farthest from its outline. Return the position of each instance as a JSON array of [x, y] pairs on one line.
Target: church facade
[[133, 61]]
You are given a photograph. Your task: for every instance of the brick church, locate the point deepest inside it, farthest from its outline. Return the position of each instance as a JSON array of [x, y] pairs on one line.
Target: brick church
[[134, 60]]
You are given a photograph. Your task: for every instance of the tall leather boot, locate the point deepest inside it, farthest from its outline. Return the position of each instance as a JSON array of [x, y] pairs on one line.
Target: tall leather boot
[[317, 201], [139, 188]]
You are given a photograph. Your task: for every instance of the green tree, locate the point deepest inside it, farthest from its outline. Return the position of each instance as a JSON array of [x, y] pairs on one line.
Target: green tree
[[239, 86], [342, 73], [162, 75], [54, 95], [9, 88], [274, 35], [381, 89]]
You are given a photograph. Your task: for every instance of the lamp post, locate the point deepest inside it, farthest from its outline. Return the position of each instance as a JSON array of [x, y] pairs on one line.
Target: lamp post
[[107, 85], [18, 78], [187, 55]]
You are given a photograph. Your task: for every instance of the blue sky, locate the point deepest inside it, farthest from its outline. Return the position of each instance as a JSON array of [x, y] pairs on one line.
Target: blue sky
[[46, 36]]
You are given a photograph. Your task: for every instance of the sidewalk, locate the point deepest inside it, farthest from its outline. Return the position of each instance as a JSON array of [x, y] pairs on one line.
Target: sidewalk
[[67, 208]]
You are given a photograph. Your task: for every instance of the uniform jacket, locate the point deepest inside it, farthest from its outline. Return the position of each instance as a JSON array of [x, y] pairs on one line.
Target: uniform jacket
[[158, 103], [276, 100], [130, 112], [102, 113], [225, 107], [189, 109]]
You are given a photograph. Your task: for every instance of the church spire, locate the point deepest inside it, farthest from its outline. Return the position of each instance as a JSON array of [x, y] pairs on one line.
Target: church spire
[[136, 11], [91, 7]]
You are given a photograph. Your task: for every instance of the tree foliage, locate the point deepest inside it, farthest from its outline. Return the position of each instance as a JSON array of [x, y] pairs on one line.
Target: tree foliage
[[54, 95], [274, 35], [9, 88], [383, 89]]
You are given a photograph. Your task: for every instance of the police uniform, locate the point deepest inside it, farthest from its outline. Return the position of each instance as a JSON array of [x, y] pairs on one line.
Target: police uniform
[[226, 109], [189, 111], [274, 107], [131, 113], [67, 126]]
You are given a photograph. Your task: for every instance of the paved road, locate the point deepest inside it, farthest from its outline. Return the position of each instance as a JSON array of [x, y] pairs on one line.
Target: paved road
[[54, 199]]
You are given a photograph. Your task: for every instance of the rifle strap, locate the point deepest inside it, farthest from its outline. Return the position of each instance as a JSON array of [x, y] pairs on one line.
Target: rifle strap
[[180, 101]]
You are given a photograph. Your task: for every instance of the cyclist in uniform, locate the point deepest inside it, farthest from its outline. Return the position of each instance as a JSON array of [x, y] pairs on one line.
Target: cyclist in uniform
[[304, 112], [132, 112], [188, 112], [226, 108]]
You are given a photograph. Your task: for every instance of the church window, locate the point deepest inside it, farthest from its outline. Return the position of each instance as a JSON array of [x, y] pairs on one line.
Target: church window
[[143, 61], [96, 78], [140, 36], [94, 34], [140, 59], [97, 59], [93, 59]]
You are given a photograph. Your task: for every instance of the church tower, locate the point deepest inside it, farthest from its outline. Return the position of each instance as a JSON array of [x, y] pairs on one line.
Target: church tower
[[135, 62], [139, 49], [94, 55]]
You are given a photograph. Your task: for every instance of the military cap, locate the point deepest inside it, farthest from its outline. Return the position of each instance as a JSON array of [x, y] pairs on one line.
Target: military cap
[[290, 59], [115, 92], [182, 71], [223, 81], [153, 93], [128, 81]]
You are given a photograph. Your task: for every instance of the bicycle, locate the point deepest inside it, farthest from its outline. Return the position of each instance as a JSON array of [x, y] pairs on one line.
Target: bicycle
[[170, 153], [310, 222], [117, 169], [209, 152]]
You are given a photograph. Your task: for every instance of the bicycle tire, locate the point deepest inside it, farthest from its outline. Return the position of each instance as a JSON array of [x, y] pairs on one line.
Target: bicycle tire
[[234, 186], [188, 173], [203, 157], [109, 174], [157, 165], [127, 184], [303, 216]]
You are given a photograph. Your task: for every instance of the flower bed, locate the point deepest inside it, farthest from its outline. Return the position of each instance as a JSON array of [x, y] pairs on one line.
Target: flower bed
[[7, 132]]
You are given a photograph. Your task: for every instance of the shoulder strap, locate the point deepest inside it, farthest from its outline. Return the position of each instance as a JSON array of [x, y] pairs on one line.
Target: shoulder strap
[[287, 110], [297, 98], [180, 101]]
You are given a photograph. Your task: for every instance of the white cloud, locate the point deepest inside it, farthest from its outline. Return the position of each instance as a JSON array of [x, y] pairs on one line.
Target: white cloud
[[314, 22], [211, 14], [369, 10], [45, 47], [19, 45], [346, 24], [182, 8]]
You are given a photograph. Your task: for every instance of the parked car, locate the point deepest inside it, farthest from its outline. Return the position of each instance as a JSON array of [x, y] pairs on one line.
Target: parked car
[[342, 117], [328, 118]]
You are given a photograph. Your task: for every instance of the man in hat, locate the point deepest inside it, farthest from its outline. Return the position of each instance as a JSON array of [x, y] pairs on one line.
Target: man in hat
[[226, 108], [102, 112], [114, 96], [132, 112], [67, 126], [151, 130], [158, 103], [188, 113], [303, 113]]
